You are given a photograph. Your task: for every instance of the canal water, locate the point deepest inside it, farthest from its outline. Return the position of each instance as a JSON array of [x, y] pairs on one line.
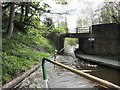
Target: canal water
[[58, 77], [103, 72], [61, 78]]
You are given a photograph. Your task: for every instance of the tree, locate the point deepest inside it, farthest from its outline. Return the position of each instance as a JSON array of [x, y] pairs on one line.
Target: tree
[[11, 21], [66, 27], [22, 11], [82, 22], [48, 22], [62, 24], [119, 11], [110, 12], [23, 14], [63, 2]]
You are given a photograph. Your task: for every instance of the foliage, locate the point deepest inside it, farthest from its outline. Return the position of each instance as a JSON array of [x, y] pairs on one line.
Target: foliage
[[17, 55], [71, 41], [48, 22], [63, 24], [105, 12], [27, 35], [63, 2], [25, 13], [58, 31], [17, 58], [109, 12]]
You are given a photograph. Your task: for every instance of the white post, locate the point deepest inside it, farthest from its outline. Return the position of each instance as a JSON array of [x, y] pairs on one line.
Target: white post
[[45, 84]]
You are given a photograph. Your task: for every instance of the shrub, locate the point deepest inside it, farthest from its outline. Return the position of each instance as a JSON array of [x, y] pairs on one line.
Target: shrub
[[17, 57]]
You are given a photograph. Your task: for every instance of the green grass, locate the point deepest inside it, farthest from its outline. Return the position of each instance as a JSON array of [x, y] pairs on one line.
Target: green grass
[[17, 57]]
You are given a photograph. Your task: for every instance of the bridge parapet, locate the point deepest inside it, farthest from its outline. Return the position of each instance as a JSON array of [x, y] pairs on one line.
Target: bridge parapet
[[77, 35], [83, 29]]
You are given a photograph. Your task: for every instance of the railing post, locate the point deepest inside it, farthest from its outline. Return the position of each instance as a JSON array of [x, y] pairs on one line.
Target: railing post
[[44, 73]]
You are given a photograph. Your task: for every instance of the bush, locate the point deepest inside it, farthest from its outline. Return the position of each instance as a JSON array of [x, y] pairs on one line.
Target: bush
[[17, 57], [71, 41], [58, 31]]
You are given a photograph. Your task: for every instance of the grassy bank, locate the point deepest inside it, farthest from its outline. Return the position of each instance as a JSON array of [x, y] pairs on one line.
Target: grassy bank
[[22, 52], [26, 47]]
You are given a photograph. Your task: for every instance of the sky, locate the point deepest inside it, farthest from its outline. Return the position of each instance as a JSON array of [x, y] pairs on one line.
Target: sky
[[78, 8]]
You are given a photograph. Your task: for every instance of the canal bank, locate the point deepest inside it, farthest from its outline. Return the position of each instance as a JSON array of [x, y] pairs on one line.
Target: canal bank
[[106, 72], [113, 63], [103, 68]]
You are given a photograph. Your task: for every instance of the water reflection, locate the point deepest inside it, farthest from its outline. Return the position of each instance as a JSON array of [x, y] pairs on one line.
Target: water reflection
[[103, 72], [69, 50]]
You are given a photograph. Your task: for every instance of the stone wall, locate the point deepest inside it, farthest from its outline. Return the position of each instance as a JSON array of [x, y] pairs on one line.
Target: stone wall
[[57, 41], [107, 40], [118, 40]]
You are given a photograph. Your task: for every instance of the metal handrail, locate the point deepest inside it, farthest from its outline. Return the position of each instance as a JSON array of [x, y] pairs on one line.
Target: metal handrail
[[80, 73]]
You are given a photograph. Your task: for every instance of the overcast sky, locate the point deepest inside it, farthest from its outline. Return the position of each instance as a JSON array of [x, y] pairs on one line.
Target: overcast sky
[[78, 10]]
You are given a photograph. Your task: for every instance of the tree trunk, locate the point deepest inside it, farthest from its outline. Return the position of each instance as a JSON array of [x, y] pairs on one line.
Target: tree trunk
[[119, 12], [11, 19], [22, 12], [26, 13]]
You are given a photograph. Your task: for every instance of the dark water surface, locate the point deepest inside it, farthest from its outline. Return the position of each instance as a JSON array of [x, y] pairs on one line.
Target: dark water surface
[[59, 77], [103, 72]]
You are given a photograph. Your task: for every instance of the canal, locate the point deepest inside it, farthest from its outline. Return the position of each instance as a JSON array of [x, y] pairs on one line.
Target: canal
[[58, 77], [103, 72], [61, 78]]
